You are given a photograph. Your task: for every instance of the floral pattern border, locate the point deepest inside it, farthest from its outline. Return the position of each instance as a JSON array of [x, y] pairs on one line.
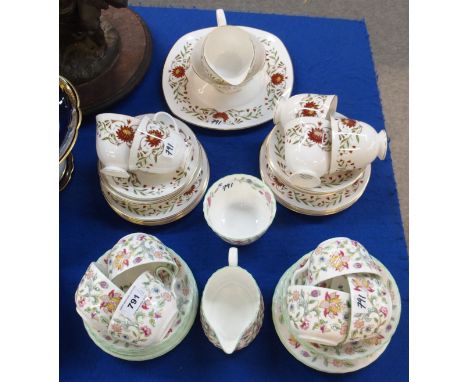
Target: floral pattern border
[[275, 68], [161, 209]]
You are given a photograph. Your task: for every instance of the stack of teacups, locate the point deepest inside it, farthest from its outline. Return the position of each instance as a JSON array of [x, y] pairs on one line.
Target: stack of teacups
[[134, 300], [337, 308], [316, 160], [152, 168]]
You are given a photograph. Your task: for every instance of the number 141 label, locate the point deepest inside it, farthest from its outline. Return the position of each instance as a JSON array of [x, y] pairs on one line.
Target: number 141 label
[[135, 297]]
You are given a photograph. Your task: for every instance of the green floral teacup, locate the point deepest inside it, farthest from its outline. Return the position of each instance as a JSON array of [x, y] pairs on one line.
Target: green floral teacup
[[97, 298], [146, 312], [134, 254], [317, 314]]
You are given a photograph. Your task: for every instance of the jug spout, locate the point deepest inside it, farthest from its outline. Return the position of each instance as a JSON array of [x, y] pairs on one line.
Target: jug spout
[[228, 345]]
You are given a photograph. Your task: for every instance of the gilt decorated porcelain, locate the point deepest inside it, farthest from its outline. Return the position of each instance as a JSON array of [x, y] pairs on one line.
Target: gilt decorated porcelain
[[231, 309], [239, 208], [195, 101], [312, 203], [165, 211]]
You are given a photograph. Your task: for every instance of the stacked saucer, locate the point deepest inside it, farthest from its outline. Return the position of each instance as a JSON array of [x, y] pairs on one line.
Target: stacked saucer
[[102, 299], [159, 198], [341, 314], [335, 193], [317, 161]]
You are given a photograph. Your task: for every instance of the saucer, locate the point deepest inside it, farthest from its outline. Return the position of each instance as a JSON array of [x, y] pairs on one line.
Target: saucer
[[326, 363], [312, 203], [161, 212], [329, 183], [274, 81], [187, 303], [143, 186]]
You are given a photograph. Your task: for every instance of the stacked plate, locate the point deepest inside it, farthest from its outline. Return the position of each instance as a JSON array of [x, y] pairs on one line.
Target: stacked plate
[[350, 355], [336, 192], [155, 199]]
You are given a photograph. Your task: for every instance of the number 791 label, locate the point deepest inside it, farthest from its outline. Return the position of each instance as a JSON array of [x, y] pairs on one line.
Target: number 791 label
[[133, 301]]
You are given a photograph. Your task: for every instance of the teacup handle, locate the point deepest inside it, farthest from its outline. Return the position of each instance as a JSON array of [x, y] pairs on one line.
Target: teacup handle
[[171, 273], [299, 271], [220, 18]]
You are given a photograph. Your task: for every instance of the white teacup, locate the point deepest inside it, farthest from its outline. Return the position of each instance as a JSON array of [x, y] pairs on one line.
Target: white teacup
[[355, 144], [114, 136], [97, 298], [307, 150], [134, 254], [304, 105], [146, 312], [158, 147]]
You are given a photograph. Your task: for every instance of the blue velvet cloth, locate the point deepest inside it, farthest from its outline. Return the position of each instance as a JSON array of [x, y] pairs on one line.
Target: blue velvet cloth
[[329, 57]]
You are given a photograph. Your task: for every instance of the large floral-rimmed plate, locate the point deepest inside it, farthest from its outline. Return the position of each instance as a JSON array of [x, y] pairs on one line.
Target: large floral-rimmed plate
[[163, 212], [147, 186], [311, 203], [275, 148], [351, 350], [322, 362], [187, 303], [259, 109]]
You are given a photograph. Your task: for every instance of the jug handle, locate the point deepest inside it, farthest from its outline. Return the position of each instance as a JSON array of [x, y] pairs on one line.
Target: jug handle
[[220, 18], [233, 257]]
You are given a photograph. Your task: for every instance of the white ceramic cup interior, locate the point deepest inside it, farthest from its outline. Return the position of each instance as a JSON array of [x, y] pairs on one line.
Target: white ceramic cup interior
[[239, 212]]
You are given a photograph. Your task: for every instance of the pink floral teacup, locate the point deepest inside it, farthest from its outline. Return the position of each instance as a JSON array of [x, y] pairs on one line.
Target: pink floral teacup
[[114, 136], [146, 312], [335, 257], [371, 307], [318, 315], [97, 298], [304, 105], [134, 254], [158, 146]]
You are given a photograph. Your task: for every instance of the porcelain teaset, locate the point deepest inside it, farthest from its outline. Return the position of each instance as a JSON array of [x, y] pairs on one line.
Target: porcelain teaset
[[335, 309]]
